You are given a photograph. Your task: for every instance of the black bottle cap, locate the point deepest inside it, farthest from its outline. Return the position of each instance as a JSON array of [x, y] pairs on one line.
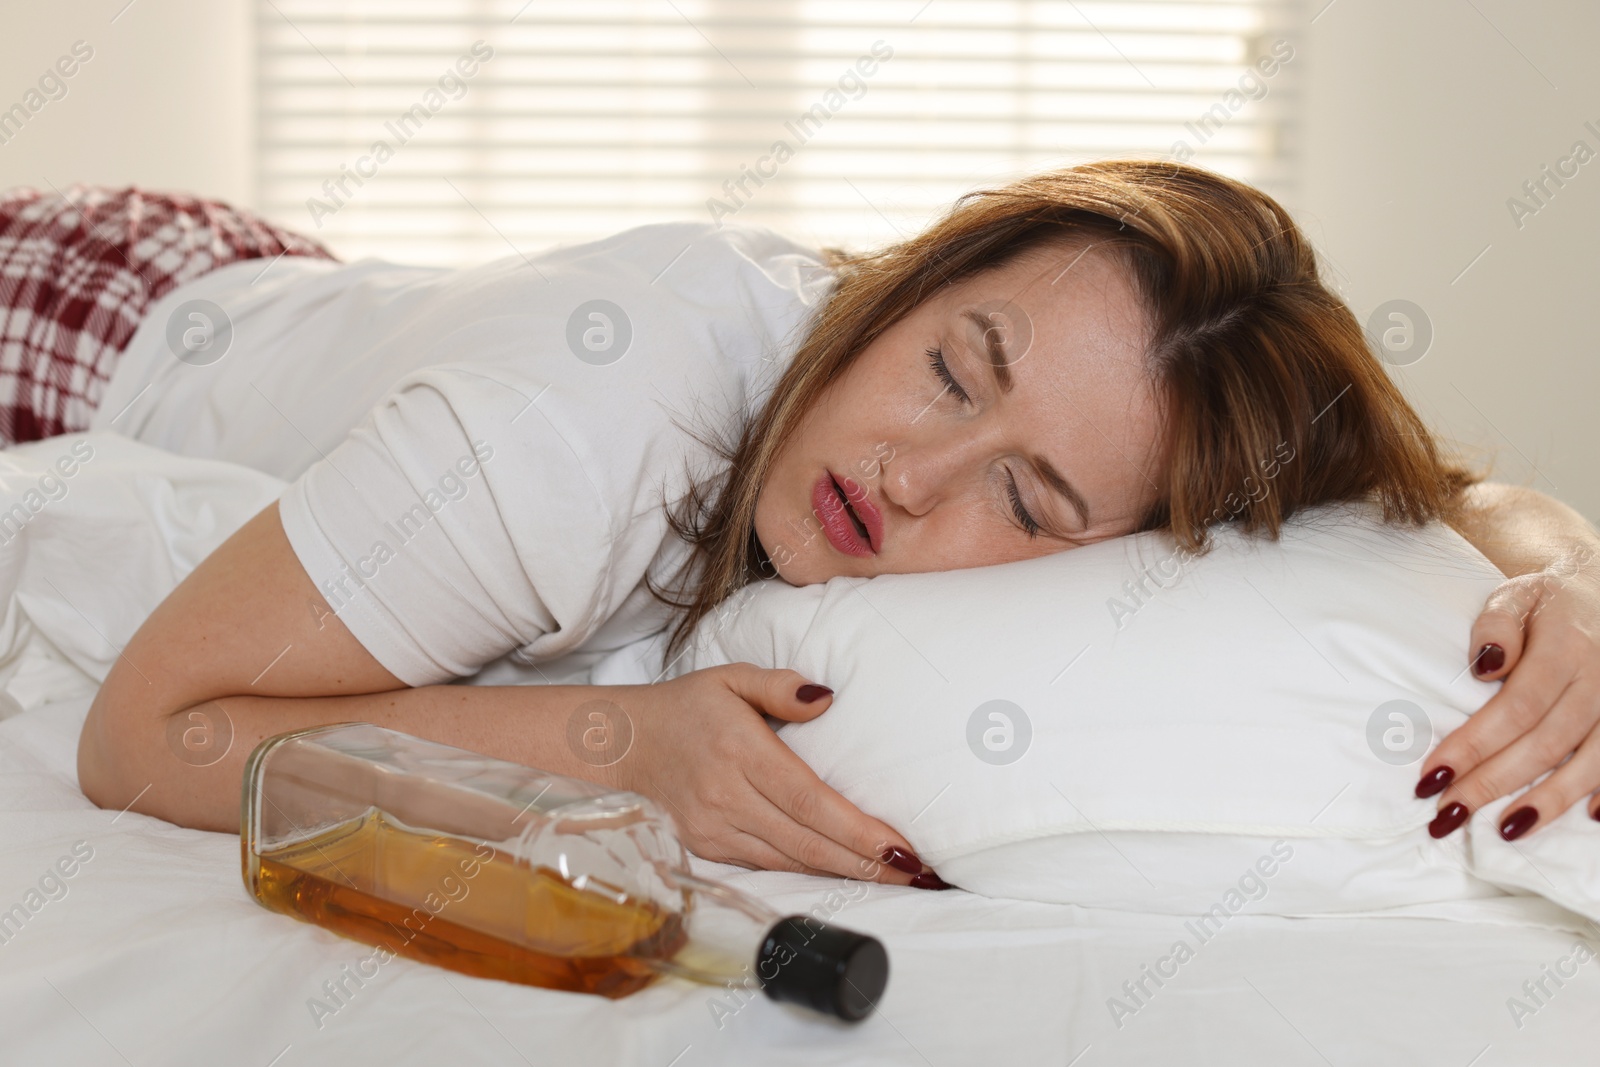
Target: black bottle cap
[[824, 968]]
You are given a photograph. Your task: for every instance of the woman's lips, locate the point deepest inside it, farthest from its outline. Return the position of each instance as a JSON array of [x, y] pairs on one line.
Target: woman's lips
[[861, 503], [828, 502]]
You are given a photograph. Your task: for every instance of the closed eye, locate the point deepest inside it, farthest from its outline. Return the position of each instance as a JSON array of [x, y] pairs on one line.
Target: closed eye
[[941, 370], [1028, 522]]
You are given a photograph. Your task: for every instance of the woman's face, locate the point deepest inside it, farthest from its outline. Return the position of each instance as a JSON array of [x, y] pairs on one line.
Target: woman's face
[[1046, 433]]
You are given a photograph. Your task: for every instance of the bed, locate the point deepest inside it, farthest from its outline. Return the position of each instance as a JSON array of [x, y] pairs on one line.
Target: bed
[[154, 954], [150, 952]]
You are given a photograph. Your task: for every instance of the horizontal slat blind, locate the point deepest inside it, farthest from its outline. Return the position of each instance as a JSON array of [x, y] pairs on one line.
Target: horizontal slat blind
[[586, 118]]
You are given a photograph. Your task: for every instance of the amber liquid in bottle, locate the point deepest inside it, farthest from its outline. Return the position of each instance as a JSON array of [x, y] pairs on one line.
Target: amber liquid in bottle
[[471, 908]]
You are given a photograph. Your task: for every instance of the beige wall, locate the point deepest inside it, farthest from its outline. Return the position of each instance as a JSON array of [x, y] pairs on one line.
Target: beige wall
[[1421, 120], [165, 102]]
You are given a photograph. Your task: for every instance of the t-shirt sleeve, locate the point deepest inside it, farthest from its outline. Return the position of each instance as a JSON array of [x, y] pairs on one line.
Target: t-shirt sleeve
[[455, 524]]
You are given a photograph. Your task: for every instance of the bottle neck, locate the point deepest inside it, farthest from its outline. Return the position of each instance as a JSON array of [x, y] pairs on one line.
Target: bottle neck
[[736, 942], [724, 930]]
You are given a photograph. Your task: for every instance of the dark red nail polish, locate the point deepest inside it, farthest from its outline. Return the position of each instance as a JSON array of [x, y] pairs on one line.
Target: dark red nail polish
[[1449, 819], [1518, 822], [1595, 814], [1433, 783], [810, 694], [929, 881], [1490, 658], [901, 860]]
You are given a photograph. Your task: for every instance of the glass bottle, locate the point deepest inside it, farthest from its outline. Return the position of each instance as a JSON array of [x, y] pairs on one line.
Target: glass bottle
[[498, 870]]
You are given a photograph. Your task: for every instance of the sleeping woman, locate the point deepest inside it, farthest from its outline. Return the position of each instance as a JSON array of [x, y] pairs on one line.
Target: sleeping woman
[[1080, 355]]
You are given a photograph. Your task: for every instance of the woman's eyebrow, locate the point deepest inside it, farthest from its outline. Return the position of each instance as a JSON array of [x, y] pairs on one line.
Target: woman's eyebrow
[[994, 344], [1054, 480]]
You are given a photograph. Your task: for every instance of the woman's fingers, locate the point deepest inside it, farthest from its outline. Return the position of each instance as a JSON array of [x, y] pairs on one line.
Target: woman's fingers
[[1567, 725], [804, 850], [823, 829], [1524, 700], [740, 795], [783, 694], [1571, 782], [761, 856], [1500, 629], [1545, 626], [744, 849], [758, 833]]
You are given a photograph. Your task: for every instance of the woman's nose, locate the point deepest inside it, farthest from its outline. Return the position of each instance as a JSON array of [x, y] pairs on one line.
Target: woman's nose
[[925, 471]]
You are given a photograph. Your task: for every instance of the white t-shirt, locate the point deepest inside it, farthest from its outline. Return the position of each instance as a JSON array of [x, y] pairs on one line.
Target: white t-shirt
[[479, 457]]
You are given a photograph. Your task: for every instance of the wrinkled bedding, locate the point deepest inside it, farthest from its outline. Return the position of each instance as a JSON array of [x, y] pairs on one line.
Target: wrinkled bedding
[[150, 952]]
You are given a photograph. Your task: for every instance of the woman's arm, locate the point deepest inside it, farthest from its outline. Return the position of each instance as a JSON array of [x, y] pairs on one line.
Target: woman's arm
[[1540, 633], [245, 648], [247, 644], [1521, 530]]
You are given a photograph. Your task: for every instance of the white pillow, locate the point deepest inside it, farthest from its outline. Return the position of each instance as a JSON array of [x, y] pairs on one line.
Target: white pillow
[[1118, 726], [95, 530]]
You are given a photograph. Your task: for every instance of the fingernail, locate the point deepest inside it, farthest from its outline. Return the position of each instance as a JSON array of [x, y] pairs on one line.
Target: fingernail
[[1447, 820], [1595, 815], [1518, 822], [810, 694], [1490, 658], [1433, 783], [929, 881], [901, 860]]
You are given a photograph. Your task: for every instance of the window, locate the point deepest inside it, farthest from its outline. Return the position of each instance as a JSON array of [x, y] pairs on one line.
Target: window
[[457, 131]]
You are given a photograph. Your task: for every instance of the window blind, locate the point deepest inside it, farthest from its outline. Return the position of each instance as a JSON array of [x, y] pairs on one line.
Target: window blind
[[457, 131]]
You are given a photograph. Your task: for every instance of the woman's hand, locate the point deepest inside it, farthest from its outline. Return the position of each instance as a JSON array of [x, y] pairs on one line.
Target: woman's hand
[[739, 795], [1540, 633]]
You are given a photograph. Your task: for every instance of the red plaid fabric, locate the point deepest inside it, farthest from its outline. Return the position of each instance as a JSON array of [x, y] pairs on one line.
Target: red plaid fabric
[[78, 271]]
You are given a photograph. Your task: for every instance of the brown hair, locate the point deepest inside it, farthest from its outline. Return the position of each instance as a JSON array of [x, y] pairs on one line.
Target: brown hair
[[1253, 355]]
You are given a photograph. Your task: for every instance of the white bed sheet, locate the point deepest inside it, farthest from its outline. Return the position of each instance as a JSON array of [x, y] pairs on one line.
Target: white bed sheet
[[156, 955]]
